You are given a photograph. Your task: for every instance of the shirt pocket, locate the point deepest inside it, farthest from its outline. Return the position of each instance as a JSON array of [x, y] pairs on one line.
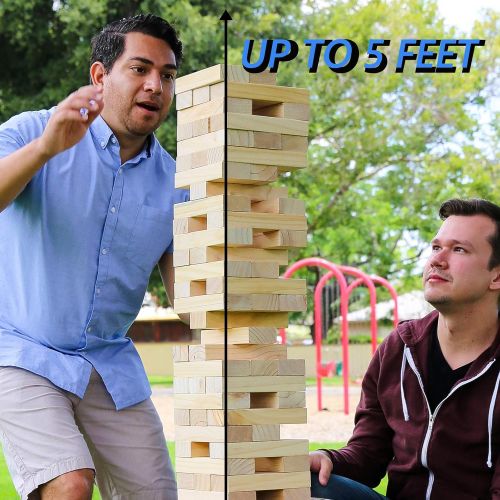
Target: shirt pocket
[[150, 236]]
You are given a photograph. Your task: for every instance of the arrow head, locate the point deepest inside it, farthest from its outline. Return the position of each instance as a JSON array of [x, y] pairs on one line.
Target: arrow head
[[225, 16]]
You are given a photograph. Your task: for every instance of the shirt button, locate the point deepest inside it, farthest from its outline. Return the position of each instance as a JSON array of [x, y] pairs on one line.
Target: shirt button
[[89, 329], [113, 210], [119, 171], [104, 251], [113, 140], [97, 291], [103, 144]]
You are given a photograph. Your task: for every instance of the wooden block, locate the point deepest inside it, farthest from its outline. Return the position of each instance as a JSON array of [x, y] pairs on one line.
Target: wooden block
[[181, 417], [240, 302], [189, 225], [196, 144], [285, 160], [254, 193], [182, 448], [237, 352], [296, 463], [207, 76], [200, 434], [184, 494], [181, 386], [238, 401], [265, 140], [206, 319], [201, 95], [237, 466], [264, 77], [265, 270], [201, 127], [268, 93], [184, 100], [266, 432], [199, 482], [217, 450], [198, 418], [181, 257], [296, 111], [217, 91], [277, 286], [199, 449], [199, 401], [237, 73], [263, 416], [240, 336], [235, 236], [212, 368], [243, 138], [238, 433], [270, 124], [279, 206], [200, 465], [242, 173], [242, 495], [196, 385], [200, 112], [291, 367], [216, 482], [184, 131], [280, 239], [292, 399], [215, 417], [180, 352], [267, 221], [216, 384], [264, 383], [199, 255], [235, 105], [189, 289], [294, 143], [269, 480]]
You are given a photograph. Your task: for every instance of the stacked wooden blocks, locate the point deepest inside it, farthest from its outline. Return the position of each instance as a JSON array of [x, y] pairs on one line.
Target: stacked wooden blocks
[[267, 128]]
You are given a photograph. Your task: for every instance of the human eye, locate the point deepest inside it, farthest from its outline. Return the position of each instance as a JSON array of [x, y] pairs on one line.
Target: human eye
[[459, 249], [138, 69], [435, 248], [168, 76]]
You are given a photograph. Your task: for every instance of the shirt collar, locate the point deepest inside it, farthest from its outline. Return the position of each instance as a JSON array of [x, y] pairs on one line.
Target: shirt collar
[[103, 133]]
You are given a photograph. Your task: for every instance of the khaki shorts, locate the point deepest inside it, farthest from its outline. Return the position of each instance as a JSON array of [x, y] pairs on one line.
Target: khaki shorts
[[46, 431]]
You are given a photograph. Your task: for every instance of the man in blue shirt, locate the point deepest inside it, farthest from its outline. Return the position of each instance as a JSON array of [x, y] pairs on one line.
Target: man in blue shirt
[[86, 200]]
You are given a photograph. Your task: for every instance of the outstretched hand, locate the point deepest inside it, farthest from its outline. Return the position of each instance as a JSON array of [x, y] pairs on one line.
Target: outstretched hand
[[320, 463], [71, 119]]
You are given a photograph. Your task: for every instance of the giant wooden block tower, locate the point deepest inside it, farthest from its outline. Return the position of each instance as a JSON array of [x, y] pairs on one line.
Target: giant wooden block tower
[[267, 129]]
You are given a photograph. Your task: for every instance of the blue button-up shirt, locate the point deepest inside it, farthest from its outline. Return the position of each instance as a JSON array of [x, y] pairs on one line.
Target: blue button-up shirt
[[77, 247]]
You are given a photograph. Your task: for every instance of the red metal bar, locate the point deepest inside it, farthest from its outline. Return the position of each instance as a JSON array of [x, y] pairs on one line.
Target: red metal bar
[[352, 271], [334, 271]]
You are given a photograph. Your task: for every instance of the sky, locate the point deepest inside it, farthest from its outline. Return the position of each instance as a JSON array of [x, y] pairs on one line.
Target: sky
[[463, 13]]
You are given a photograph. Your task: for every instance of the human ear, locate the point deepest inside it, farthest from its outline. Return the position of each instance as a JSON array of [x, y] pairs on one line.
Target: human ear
[[495, 281], [97, 73]]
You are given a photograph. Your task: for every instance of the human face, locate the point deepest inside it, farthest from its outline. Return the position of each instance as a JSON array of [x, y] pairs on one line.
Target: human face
[[457, 271], [139, 89]]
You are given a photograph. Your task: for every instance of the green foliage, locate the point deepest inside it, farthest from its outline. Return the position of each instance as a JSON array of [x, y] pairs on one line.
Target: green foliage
[[385, 149]]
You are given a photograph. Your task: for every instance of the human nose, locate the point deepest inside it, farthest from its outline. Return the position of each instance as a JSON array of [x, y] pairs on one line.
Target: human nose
[[439, 259], [153, 83]]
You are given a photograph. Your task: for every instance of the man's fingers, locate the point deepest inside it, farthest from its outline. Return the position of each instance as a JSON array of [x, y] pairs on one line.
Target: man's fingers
[[325, 471]]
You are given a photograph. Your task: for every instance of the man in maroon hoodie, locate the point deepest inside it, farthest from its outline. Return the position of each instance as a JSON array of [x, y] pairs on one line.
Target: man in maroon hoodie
[[429, 414]]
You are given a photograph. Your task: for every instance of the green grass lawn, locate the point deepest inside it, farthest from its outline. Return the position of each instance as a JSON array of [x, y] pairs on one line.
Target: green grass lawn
[[9, 493]]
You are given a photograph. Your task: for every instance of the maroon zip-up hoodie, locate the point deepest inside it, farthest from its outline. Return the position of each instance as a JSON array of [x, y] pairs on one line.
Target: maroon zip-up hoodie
[[452, 454]]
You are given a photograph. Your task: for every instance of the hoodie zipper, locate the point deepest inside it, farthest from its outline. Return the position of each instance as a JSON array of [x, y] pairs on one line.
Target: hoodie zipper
[[432, 416]]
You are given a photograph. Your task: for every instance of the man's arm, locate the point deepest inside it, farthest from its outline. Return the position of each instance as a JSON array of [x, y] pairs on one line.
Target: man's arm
[[367, 454], [64, 129], [166, 266]]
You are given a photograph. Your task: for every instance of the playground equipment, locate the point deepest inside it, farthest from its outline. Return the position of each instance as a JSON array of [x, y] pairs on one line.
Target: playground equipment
[[326, 369]]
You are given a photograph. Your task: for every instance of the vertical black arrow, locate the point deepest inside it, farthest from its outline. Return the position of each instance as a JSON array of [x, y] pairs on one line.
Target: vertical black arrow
[[225, 18]]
